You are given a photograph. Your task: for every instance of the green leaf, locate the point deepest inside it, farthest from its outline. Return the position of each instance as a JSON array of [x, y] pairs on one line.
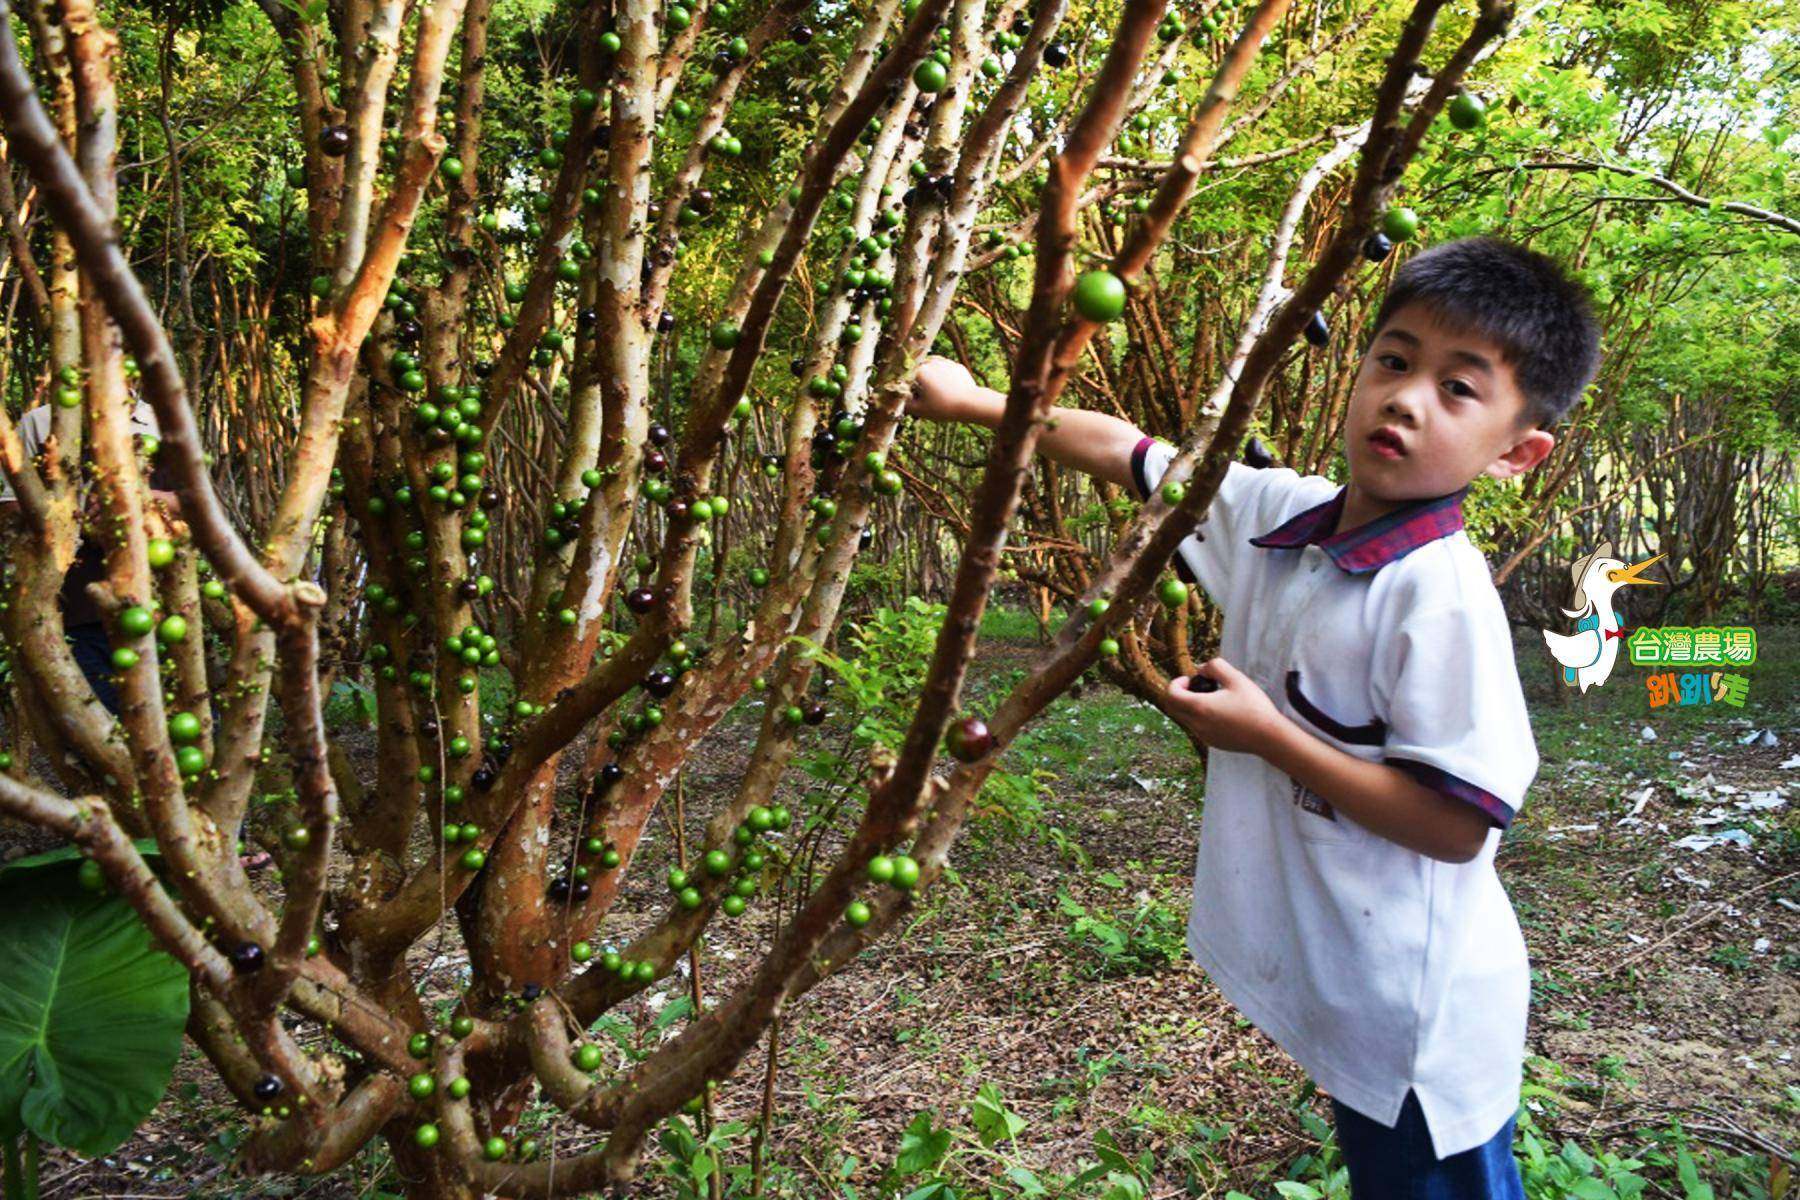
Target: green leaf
[[1591, 1189], [91, 1013], [1027, 1181], [145, 846], [993, 1121], [672, 1012], [1292, 1190], [921, 1146], [1692, 1186]]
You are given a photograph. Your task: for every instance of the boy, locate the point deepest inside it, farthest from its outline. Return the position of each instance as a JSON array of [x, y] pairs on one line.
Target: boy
[[1368, 735]]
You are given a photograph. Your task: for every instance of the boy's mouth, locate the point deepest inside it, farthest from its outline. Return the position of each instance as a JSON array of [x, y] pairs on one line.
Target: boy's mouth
[[1387, 443]]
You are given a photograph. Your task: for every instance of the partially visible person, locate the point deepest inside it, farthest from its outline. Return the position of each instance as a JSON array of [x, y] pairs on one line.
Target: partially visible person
[[83, 628]]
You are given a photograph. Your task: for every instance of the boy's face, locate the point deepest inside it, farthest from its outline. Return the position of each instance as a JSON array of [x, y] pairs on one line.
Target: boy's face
[[1432, 409]]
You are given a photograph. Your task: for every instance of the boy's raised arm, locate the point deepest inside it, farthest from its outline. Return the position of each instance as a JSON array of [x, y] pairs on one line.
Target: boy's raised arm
[[1096, 443]]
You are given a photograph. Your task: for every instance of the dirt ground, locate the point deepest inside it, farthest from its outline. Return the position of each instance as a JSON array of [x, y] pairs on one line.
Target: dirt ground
[[1666, 977]]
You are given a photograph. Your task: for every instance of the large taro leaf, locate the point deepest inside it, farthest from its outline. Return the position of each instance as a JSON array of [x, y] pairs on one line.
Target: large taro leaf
[[91, 1012]]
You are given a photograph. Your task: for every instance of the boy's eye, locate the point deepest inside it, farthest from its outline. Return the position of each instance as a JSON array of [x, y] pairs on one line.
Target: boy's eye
[[1466, 392], [1392, 362]]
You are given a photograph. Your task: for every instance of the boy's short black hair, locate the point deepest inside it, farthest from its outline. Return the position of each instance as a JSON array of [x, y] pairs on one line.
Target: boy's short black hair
[[1539, 315]]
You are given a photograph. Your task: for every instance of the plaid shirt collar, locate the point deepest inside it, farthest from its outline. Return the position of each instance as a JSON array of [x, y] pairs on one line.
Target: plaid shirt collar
[[1374, 544]]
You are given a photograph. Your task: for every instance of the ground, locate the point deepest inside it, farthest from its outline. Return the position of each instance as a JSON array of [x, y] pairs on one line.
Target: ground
[[1665, 1014]]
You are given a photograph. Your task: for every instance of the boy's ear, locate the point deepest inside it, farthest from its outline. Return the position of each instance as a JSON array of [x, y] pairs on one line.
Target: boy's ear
[[1532, 447]]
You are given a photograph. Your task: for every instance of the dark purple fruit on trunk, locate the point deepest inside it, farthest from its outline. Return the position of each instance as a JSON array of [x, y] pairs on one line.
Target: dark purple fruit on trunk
[[640, 600], [659, 684], [1377, 246], [701, 201], [266, 1088], [798, 367], [468, 590], [801, 34], [429, 727], [1317, 332], [335, 140], [1056, 54], [490, 497], [559, 888], [587, 318], [530, 992], [678, 511], [1256, 454], [483, 779], [659, 435], [868, 535], [969, 739], [603, 135], [814, 713], [665, 321], [246, 957], [656, 462], [483, 369], [580, 890], [611, 773]]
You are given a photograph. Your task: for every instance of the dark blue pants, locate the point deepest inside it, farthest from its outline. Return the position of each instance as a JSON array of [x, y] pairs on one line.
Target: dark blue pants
[[1397, 1163], [93, 654]]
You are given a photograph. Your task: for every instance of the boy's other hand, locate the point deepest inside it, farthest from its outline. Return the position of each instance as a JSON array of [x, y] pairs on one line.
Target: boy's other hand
[[938, 386], [1238, 715]]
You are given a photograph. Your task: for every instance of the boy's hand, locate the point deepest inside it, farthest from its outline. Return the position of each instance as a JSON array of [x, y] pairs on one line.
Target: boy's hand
[[941, 389], [1237, 716]]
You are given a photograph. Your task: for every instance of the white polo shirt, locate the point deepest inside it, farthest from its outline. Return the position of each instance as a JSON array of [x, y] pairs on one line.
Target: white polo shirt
[[1377, 968]]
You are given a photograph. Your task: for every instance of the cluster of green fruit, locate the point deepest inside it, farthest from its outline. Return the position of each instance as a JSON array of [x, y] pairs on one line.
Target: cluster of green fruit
[[718, 864], [899, 870], [136, 621], [659, 684]]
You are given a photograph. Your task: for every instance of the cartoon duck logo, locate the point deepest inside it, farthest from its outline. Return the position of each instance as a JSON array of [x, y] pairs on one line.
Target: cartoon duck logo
[[1587, 655]]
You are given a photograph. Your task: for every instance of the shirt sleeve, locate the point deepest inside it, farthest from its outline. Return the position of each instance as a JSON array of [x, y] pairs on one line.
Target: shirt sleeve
[[1457, 720], [33, 429], [1203, 556]]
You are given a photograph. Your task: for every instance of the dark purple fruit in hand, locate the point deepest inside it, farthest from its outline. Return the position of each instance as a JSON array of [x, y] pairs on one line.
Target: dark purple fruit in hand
[[969, 739], [1202, 683], [1256, 454], [640, 600], [1377, 246], [814, 713], [335, 140], [1317, 332], [659, 684], [246, 957], [266, 1088]]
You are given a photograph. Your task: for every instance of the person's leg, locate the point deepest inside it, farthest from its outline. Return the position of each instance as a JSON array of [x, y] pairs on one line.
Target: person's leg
[[1398, 1163], [93, 654]]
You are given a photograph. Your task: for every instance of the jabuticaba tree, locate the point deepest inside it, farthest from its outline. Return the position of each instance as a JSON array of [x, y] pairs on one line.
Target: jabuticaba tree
[[539, 296]]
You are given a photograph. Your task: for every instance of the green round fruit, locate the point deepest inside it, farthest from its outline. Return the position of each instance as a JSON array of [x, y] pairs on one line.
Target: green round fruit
[[161, 552], [610, 42], [462, 1026], [858, 913], [1172, 592], [1173, 492], [1400, 223], [474, 858], [1467, 111], [724, 335], [419, 1045], [494, 1149], [184, 727], [90, 876], [136, 621], [1100, 295], [425, 1136], [718, 862], [459, 1088], [588, 1056], [1109, 647], [451, 168], [881, 869], [190, 760], [930, 76], [734, 906], [1098, 606], [906, 872], [421, 1085]]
